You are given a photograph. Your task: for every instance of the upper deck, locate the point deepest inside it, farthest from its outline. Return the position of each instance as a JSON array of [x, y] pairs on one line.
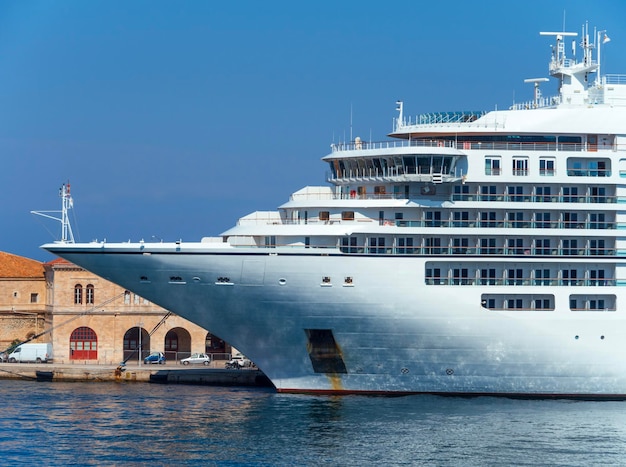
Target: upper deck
[[583, 105]]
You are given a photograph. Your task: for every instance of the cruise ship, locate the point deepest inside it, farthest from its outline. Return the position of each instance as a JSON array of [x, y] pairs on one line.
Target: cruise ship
[[470, 253]]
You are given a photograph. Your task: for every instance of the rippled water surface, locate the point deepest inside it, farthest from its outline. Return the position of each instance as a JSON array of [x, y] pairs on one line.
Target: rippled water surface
[[150, 424]]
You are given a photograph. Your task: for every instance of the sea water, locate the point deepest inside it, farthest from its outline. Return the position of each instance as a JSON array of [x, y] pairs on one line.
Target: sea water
[[55, 423]]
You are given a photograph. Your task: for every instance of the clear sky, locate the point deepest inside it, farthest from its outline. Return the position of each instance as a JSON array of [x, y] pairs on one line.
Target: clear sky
[[175, 118]]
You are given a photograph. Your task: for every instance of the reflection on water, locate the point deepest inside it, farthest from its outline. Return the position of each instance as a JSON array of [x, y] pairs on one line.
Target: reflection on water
[[135, 423]]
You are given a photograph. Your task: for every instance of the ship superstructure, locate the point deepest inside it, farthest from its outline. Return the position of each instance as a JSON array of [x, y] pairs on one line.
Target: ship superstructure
[[471, 253]]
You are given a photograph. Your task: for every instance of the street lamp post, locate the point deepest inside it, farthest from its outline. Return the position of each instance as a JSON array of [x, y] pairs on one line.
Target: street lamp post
[[139, 326]]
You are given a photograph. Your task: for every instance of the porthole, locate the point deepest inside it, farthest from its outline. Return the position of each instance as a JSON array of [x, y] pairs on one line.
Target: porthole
[[282, 281]]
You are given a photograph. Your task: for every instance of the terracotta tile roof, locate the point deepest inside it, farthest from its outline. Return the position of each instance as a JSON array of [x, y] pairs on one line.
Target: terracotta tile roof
[[13, 266]]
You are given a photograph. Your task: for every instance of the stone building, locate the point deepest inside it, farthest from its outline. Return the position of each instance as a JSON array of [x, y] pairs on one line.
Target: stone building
[[91, 319], [24, 312]]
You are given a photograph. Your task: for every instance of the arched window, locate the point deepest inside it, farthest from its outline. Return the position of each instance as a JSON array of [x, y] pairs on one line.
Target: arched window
[[83, 344], [78, 294], [89, 294]]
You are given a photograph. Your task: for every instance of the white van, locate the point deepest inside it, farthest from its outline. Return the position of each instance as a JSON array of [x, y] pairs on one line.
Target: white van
[[38, 353]]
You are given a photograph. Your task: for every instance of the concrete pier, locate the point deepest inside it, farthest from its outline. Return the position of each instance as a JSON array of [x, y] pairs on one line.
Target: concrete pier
[[163, 374]]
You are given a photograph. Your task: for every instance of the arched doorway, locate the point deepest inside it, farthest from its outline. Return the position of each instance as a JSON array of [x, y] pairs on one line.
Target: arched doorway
[[132, 342], [177, 344], [83, 344]]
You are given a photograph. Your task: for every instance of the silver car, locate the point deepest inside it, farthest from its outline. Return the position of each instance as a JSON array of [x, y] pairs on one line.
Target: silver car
[[197, 359]]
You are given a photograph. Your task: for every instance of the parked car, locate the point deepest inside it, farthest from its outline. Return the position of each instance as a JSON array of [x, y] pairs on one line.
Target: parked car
[[237, 362], [197, 359], [155, 357]]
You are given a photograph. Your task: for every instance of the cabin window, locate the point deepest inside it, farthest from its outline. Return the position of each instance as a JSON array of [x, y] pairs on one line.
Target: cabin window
[[515, 303], [492, 165], [515, 276], [462, 193], [377, 245], [433, 276], [546, 167], [542, 277], [592, 302], [543, 304], [460, 276], [460, 218], [596, 277], [578, 167], [432, 245], [542, 194], [542, 246], [432, 218], [542, 220], [405, 246], [515, 193], [488, 219], [570, 194], [324, 216], [569, 247], [570, 220], [596, 247], [349, 245], [598, 194], [488, 277], [569, 277], [488, 192], [520, 166], [487, 246], [380, 190], [347, 215], [515, 246], [460, 246], [516, 219]]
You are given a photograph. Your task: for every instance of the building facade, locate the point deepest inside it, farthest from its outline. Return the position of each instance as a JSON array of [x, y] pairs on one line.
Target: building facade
[[24, 312], [89, 319]]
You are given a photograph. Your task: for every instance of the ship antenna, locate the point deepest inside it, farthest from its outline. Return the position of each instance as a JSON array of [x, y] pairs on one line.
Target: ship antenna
[[537, 91], [67, 203], [400, 109], [604, 40]]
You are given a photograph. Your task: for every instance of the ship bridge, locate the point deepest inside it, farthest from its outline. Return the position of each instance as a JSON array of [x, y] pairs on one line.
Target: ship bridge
[[395, 161]]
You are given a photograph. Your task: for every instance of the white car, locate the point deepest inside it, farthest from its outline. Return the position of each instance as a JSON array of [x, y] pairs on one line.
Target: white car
[[238, 362], [197, 358]]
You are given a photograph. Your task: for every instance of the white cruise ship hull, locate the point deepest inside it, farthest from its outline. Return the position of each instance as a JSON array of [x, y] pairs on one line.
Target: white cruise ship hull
[[472, 253], [392, 333]]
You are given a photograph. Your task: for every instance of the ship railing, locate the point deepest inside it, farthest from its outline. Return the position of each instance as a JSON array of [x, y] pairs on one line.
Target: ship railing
[[460, 144], [452, 250], [528, 198], [526, 309], [499, 281], [439, 118], [506, 224], [614, 79], [540, 103], [430, 223], [425, 174]]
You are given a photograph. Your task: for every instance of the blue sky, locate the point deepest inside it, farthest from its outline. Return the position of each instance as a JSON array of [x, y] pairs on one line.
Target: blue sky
[[174, 119]]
